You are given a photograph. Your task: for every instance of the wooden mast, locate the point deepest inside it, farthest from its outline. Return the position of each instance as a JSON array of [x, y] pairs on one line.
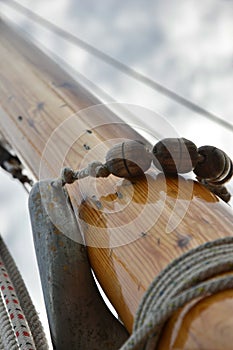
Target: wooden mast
[[38, 100]]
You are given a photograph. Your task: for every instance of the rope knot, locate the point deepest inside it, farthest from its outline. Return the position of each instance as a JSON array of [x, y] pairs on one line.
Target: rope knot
[[94, 169], [67, 176], [97, 169]]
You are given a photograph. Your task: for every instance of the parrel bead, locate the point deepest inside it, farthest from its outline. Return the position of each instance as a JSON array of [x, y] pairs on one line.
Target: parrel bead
[[175, 155], [128, 159], [220, 190], [216, 167]]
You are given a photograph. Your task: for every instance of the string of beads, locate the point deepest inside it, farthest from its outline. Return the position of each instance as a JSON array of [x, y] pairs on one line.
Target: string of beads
[[130, 159]]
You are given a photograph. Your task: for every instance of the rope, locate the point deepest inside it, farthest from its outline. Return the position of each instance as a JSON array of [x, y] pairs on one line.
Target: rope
[[94, 169], [180, 282], [27, 328], [1, 346], [8, 340], [18, 322]]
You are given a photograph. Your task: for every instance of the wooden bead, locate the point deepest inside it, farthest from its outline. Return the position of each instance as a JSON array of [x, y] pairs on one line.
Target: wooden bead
[[175, 155], [216, 167], [220, 190], [128, 159]]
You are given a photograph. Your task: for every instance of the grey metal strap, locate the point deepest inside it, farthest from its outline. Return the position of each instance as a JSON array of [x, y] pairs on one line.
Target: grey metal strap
[[78, 316]]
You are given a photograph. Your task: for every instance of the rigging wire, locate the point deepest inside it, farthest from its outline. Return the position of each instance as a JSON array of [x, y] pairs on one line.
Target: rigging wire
[[118, 64]]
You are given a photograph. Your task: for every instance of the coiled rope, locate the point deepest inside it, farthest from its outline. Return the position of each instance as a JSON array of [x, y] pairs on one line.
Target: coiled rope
[[20, 327], [183, 280]]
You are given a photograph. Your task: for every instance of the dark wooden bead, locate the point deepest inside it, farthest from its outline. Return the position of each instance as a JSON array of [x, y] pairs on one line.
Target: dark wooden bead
[[220, 190], [175, 155], [128, 159], [215, 166]]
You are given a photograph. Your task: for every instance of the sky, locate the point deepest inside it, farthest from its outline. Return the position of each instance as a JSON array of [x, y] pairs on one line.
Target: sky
[[185, 45]]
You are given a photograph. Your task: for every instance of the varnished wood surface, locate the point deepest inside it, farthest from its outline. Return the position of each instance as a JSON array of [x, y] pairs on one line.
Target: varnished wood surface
[[37, 97], [202, 324], [126, 271], [125, 223]]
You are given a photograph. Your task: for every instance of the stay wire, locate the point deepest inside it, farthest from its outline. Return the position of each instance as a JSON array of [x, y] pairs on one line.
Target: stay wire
[[118, 65]]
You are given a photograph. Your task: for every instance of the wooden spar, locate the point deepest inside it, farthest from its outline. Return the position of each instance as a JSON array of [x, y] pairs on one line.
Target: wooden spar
[[36, 97], [37, 102]]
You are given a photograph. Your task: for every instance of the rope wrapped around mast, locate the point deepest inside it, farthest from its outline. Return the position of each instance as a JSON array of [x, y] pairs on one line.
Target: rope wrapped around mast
[[192, 275]]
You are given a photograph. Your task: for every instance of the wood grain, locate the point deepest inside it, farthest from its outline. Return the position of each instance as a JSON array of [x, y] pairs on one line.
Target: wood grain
[[45, 98], [141, 247], [126, 224]]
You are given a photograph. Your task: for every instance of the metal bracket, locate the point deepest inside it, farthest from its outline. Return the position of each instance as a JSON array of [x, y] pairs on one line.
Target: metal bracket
[[77, 314]]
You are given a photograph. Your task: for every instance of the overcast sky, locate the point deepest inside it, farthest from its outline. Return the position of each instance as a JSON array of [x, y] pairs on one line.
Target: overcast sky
[[184, 45]]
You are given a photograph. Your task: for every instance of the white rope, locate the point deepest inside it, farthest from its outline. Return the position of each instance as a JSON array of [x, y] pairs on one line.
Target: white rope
[[19, 324], [8, 340], [1, 345], [27, 328]]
